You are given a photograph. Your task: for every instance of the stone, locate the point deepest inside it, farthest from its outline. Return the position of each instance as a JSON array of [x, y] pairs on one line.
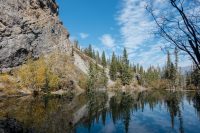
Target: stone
[[29, 28], [2, 27], [17, 30]]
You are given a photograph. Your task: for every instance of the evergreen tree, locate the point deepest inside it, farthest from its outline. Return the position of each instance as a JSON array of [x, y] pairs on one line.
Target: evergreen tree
[[91, 78], [176, 67], [172, 74], [90, 51], [104, 77], [113, 68], [118, 64], [194, 77], [126, 75], [141, 70], [151, 76], [97, 77], [98, 57], [72, 51], [103, 59], [93, 54], [125, 57], [134, 69]]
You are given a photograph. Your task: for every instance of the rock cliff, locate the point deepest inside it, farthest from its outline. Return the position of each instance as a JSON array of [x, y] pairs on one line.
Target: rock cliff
[[29, 28]]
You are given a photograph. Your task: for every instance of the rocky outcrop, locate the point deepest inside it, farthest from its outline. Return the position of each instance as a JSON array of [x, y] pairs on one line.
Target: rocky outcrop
[[29, 28]]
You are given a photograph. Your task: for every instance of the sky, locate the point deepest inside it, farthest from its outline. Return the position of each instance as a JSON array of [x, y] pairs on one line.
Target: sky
[[111, 25]]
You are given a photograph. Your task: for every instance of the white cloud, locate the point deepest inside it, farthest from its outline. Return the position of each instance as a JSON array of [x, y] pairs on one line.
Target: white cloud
[[108, 40], [135, 23], [149, 56], [136, 27], [84, 35]]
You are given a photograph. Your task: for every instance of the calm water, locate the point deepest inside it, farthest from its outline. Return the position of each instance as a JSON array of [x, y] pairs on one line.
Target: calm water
[[146, 112]]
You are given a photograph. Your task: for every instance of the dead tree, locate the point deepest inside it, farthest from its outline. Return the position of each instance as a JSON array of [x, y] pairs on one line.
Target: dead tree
[[180, 26]]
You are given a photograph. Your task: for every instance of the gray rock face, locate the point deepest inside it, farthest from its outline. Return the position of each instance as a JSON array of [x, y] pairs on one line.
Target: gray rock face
[[29, 28]]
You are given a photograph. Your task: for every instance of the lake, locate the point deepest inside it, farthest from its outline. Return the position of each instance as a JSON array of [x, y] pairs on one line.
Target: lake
[[102, 112]]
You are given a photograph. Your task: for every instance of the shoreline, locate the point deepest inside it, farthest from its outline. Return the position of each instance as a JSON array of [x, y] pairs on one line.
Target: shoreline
[[64, 92]]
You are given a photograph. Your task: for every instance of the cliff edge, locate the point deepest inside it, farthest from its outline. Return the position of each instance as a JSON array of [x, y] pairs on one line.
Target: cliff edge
[[29, 28]]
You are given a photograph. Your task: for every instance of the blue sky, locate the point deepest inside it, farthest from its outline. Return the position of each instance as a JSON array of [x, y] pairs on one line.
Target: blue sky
[[111, 25]]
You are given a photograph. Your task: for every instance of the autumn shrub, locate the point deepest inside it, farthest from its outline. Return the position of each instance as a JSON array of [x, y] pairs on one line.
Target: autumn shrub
[[37, 75], [7, 84], [50, 73], [4, 78]]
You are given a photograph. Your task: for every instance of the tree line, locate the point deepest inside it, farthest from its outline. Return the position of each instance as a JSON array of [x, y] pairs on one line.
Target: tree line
[[121, 69]]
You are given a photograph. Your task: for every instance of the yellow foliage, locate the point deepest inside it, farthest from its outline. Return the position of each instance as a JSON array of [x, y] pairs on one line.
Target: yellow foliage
[[8, 84], [48, 73], [4, 78], [37, 74]]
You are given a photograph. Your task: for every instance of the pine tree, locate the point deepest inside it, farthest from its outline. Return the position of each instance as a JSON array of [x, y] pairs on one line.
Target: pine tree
[[172, 76], [103, 59], [176, 67], [113, 68], [104, 77], [93, 54], [170, 72], [72, 54], [90, 51], [118, 64], [125, 57], [126, 75], [141, 70], [91, 78], [98, 58], [134, 69]]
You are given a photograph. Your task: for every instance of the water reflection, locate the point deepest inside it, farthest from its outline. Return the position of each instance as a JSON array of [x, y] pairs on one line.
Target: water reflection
[[124, 107], [150, 111]]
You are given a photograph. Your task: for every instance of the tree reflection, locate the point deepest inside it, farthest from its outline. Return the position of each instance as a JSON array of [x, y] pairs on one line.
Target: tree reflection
[[196, 102], [173, 101], [58, 114], [96, 108], [121, 108]]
